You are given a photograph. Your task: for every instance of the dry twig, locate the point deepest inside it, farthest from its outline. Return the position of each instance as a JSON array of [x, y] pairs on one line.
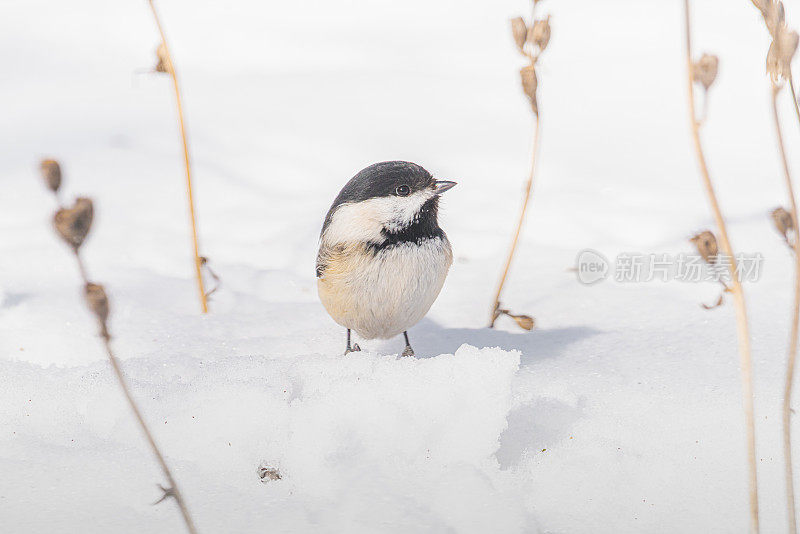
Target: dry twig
[[736, 286], [779, 58], [531, 41], [792, 356], [73, 225], [706, 244], [166, 65]]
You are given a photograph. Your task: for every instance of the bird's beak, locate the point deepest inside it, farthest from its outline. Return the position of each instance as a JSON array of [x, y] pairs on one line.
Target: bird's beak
[[440, 186]]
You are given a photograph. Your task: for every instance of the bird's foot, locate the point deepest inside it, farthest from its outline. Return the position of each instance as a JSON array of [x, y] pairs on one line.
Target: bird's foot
[[408, 351], [355, 348]]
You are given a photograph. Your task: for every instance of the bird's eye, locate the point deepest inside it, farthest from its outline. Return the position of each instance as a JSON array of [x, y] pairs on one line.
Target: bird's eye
[[402, 190]]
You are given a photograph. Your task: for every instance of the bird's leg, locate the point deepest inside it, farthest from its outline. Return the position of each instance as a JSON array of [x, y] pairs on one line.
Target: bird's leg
[[355, 347], [408, 351]]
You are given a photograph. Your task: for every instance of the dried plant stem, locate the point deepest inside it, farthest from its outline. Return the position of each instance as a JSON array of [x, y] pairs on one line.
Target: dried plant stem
[[792, 355], [794, 99], [736, 287], [172, 490], [171, 70], [72, 224], [525, 201], [81, 267]]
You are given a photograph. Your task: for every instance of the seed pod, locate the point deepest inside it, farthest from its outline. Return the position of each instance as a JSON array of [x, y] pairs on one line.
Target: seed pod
[[780, 54], [540, 35], [97, 301], [529, 85], [73, 224], [525, 322], [762, 5], [783, 222], [706, 244], [774, 17], [520, 32], [788, 40], [51, 172], [773, 64], [704, 70], [163, 60]]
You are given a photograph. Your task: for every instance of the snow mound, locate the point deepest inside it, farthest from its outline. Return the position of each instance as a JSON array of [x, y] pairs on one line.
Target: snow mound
[[400, 438], [363, 442]]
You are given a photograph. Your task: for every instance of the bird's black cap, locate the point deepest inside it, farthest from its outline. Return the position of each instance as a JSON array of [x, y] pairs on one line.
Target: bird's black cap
[[381, 180]]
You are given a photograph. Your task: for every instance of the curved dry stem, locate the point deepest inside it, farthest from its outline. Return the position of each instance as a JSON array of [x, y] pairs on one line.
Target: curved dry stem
[[171, 70], [173, 489], [525, 201], [736, 287], [81, 266], [791, 357], [794, 98]]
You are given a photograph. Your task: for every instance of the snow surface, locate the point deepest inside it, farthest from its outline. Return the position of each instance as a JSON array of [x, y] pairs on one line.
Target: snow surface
[[620, 413]]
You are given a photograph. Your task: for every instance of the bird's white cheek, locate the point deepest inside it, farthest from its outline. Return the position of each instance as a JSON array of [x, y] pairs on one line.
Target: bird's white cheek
[[399, 212], [363, 221], [353, 223]]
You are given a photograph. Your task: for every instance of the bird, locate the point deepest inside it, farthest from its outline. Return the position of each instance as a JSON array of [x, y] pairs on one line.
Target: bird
[[383, 258]]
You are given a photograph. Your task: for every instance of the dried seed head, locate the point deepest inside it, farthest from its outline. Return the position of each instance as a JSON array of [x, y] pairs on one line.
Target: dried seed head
[[73, 224], [704, 70], [706, 245], [788, 40], [783, 222], [520, 32], [529, 84], [97, 301], [762, 5], [51, 172], [774, 16], [780, 54], [525, 322], [540, 35], [773, 62], [163, 60]]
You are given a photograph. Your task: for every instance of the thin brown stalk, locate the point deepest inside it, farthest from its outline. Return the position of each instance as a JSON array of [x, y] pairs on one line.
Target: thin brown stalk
[[531, 40], [792, 355], [794, 98], [736, 287], [81, 267], [170, 66], [172, 490], [73, 224], [521, 221]]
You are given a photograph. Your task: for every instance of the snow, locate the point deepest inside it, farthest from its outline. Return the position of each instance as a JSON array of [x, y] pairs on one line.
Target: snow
[[340, 431], [620, 413]]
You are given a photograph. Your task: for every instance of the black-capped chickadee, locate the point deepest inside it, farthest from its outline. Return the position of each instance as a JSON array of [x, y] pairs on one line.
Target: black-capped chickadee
[[382, 257]]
